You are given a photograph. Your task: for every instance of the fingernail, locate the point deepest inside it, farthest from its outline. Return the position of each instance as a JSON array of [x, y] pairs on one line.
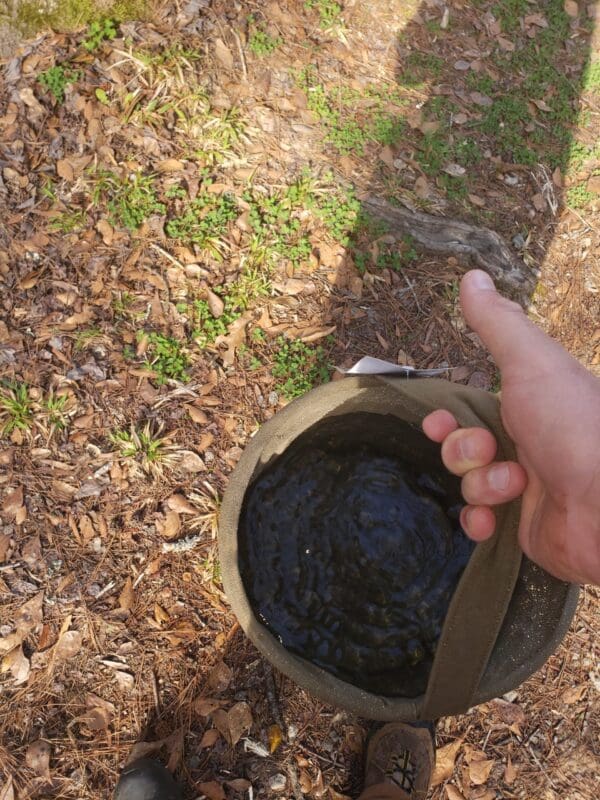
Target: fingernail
[[498, 477], [481, 280], [467, 448]]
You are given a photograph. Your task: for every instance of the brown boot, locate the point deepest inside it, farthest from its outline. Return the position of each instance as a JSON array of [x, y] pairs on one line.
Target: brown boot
[[400, 760]]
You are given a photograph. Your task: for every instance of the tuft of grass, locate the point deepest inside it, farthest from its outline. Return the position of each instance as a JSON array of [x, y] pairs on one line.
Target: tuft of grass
[[70, 15], [330, 12], [591, 77], [579, 196], [260, 41], [204, 222], [69, 221], [166, 357], [89, 337], [98, 32], [352, 120], [420, 68], [145, 448], [56, 79], [16, 408], [299, 367], [25, 409], [130, 201]]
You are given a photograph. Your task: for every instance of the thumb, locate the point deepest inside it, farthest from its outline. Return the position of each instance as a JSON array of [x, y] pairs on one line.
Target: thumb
[[509, 335]]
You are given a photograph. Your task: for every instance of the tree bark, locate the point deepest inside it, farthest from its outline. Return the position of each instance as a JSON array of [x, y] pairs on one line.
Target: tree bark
[[486, 248]]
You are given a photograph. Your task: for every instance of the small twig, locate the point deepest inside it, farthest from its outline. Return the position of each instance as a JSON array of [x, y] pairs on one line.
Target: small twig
[[241, 52], [167, 255], [542, 770], [293, 776], [272, 695]]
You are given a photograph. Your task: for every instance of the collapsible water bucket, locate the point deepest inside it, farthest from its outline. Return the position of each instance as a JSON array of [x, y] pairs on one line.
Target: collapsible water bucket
[[329, 460]]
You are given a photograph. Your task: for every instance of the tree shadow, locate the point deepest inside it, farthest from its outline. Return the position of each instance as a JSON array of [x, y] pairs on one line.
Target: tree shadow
[[479, 129]]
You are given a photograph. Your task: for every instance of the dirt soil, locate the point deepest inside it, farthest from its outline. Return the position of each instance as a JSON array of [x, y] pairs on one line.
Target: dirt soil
[[183, 250]]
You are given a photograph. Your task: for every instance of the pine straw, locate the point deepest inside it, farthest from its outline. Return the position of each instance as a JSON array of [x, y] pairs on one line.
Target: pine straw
[[155, 626]]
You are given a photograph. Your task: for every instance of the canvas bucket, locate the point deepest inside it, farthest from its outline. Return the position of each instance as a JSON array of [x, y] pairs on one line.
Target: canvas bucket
[[506, 616]]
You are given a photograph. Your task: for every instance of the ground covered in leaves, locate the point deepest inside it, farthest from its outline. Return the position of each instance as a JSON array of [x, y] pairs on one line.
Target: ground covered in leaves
[[183, 251]]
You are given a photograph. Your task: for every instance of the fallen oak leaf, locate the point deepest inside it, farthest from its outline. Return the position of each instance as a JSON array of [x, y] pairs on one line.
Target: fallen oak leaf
[[453, 793], [233, 339], [68, 645], [220, 677], [209, 738], [234, 723], [444, 762], [13, 501], [479, 771], [223, 54], [30, 615], [213, 790], [17, 664]]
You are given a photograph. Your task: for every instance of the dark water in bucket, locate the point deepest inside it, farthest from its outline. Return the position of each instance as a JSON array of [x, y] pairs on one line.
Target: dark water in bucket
[[351, 548]]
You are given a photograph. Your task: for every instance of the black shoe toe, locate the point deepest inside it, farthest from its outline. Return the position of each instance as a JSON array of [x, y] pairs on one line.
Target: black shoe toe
[[145, 779]]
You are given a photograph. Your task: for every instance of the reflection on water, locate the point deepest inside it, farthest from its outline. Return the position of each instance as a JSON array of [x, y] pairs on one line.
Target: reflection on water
[[350, 554]]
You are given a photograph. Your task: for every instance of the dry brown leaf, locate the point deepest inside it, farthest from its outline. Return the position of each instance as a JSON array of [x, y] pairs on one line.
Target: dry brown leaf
[[8, 643], [505, 44], [125, 680], [209, 738], [510, 772], [212, 789], [197, 415], [220, 677], [190, 462], [223, 54], [170, 525], [170, 165], [160, 615], [571, 8], [17, 664], [479, 771], [215, 304], [233, 723], [206, 705], [573, 694], [37, 758], [453, 793], [444, 762], [67, 646], [30, 615], [106, 230], [86, 529], [482, 794], [178, 503], [12, 502], [239, 784], [305, 781], [127, 596], [205, 441], [234, 338], [4, 546], [65, 170], [334, 795], [509, 713], [422, 188], [318, 789]]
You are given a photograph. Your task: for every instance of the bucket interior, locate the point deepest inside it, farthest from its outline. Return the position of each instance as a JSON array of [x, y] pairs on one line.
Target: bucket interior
[[350, 550]]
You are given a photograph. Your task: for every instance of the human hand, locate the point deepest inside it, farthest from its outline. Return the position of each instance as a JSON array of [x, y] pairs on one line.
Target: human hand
[[550, 407]]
